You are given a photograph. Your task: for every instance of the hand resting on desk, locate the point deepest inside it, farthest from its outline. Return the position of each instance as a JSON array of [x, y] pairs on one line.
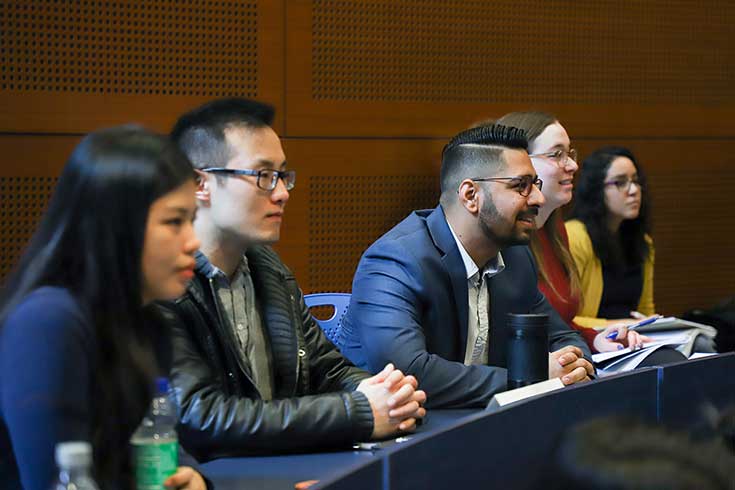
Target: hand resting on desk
[[395, 401]]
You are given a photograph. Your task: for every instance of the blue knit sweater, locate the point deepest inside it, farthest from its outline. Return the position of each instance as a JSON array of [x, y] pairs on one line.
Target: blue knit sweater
[[46, 347]]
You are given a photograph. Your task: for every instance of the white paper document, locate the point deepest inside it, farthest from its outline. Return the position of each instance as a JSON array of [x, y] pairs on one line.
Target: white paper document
[[512, 396]]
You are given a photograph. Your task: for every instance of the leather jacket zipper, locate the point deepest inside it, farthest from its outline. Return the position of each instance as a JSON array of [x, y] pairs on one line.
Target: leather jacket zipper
[[300, 352]]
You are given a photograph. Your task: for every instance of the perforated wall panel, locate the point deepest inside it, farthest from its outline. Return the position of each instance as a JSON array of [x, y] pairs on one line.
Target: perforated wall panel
[[528, 51], [22, 202], [695, 266], [158, 47], [347, 214]]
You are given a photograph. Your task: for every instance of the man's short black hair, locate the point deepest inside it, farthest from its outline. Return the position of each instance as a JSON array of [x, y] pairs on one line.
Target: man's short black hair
[[490, 135], [200, 133], [477, 152]]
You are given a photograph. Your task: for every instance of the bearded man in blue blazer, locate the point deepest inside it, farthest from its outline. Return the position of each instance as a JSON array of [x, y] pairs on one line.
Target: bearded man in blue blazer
[[433, 294]]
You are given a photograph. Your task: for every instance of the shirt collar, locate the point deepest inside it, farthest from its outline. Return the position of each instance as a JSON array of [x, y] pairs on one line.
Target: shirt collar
[[211, 271], [494, 266]]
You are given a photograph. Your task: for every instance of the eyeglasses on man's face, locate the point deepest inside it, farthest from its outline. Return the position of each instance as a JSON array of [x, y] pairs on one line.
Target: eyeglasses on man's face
[[560, 157], [267, 178], [522, 185], [623, 183]]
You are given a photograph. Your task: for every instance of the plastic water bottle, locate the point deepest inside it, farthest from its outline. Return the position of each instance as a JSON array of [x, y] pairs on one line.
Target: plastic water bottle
[[74, 460], [155, 445]]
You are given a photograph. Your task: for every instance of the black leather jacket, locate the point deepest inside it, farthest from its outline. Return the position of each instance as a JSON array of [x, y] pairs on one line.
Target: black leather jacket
[[222, 415]]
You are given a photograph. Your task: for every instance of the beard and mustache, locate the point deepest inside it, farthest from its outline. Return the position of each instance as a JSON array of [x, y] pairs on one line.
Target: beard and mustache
[[491, 221]]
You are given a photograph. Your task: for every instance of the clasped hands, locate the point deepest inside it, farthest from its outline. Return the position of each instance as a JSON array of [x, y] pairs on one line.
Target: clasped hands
[[570, 365], [395, 400]]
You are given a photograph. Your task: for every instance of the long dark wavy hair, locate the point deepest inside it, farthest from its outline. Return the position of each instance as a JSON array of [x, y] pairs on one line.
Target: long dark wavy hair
[[90, 241], [630, 247]]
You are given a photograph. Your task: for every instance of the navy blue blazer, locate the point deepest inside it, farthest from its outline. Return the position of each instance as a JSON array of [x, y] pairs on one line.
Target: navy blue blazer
[[409, 306]]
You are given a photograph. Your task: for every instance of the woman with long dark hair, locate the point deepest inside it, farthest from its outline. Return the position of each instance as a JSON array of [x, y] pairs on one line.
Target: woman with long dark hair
[[555, 162], [610, 240], [79, 344]]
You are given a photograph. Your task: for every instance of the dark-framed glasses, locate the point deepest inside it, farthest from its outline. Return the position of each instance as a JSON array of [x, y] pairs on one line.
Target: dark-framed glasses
[[267, 178], [522, 185], [623, 183], [560, 157]]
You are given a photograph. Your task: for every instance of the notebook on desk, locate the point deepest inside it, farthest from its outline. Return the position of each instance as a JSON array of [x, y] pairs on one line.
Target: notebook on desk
[[670, 331]]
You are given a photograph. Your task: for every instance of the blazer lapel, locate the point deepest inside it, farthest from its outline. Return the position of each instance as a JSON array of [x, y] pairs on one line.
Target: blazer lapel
[[452, 262]]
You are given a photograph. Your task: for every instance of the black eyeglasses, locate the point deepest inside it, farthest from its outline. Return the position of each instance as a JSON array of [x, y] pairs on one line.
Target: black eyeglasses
[[560, 157], [267, 178], [521, 184]]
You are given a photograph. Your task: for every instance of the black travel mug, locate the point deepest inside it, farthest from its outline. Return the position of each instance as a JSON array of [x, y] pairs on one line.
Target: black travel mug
[[528, 349]]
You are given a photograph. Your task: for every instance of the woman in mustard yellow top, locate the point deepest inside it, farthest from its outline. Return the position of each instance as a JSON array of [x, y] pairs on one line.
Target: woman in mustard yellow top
[[609, 239]]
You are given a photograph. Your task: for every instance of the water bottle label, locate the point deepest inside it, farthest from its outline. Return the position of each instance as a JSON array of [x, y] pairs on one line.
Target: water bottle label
[[154, 462]]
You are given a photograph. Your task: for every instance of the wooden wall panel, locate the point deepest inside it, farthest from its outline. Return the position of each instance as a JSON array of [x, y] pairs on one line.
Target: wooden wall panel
[[349, 192], [428, 67], [70, 67], [29, 167], [367, 94], [76, 66]]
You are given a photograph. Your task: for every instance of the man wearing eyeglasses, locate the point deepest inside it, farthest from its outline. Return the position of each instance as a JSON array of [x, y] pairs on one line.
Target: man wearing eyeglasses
[[253, 372], [432, 295]]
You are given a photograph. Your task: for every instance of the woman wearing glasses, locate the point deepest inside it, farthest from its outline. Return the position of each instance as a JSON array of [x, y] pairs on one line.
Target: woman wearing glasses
[[609, 238], [555, 163], [79, 347]]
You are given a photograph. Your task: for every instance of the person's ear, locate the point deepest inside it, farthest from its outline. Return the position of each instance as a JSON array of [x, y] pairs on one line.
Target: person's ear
[[468, 195], [202, 192]]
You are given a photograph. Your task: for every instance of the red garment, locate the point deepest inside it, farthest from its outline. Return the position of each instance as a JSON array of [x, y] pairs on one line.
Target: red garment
[[564, 303]]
